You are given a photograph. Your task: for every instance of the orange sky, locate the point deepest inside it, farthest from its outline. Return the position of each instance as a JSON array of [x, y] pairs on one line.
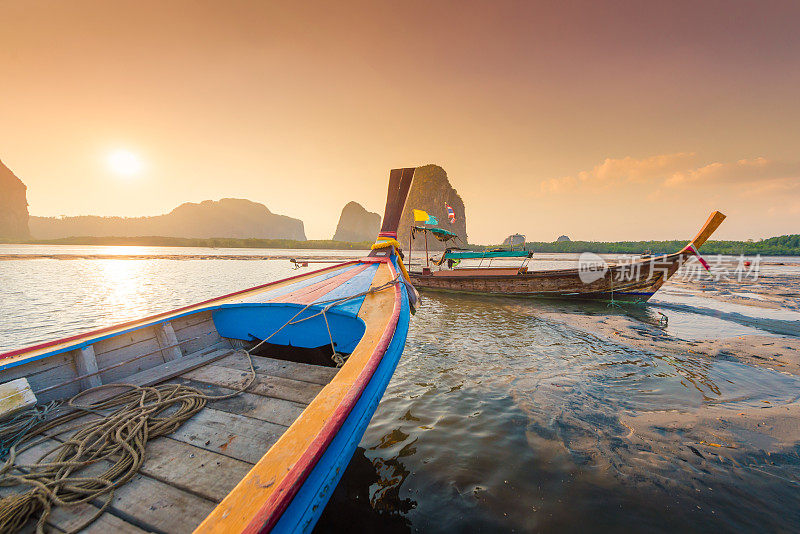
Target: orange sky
[[621, 120]]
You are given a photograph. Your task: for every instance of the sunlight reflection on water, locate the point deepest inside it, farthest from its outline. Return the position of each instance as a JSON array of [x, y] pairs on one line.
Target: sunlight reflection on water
[[49, 299]]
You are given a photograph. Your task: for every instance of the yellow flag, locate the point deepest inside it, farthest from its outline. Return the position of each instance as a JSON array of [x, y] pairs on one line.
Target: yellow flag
[[420, 216]]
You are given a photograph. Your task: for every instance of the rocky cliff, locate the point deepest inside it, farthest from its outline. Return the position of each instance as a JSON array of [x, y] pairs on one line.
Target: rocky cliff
[[13, 206], [430, 190], [357, 224], [229, 217], [514, 240]]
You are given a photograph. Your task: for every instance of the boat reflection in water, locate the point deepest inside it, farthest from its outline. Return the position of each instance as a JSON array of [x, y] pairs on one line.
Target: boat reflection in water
[[367, 499]]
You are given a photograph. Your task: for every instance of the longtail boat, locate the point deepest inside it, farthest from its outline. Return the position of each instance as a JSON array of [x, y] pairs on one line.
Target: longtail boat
[[594, 279], [278, 420]]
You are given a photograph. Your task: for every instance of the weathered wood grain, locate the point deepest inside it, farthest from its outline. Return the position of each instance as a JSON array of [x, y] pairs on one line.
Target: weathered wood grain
[[69, 518], [278, 411], [157, 374], [168, 341], [148, 347], [239, 437], [208, 474], [47, 372], [174, 368], [171, 491], [15, 395], [86, 363], [270, 386], [303, 372], [179, 323], [123, 340], [155, 505], [205, 332]]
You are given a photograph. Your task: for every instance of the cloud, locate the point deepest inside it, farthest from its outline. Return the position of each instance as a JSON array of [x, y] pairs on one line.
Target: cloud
[[679, 170], [612, 172], [738, 172]]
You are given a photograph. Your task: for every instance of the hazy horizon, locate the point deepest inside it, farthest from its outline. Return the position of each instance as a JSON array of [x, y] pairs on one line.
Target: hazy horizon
[[471, 241], [612, 121]]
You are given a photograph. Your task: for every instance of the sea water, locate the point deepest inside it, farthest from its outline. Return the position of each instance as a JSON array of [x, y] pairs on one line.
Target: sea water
[[497, 418]]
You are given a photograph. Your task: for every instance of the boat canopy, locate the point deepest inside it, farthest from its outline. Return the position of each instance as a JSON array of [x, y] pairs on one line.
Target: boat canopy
[[438, 233], [467, 254]]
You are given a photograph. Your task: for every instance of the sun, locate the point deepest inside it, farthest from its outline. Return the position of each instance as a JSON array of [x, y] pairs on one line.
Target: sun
[[124, 162]]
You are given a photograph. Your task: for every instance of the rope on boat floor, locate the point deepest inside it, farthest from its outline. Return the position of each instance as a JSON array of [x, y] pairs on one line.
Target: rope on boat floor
[[118, 438], [16, 428]]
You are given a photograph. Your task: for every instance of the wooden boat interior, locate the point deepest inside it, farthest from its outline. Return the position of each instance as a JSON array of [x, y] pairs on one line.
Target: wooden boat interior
[[187, 473]]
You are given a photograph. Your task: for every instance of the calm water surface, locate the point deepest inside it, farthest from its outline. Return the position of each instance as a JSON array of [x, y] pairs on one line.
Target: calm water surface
[[496, 419]]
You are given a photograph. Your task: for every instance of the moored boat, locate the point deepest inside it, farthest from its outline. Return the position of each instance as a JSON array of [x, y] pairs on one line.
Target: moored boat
[[634, 281], [236, 414]]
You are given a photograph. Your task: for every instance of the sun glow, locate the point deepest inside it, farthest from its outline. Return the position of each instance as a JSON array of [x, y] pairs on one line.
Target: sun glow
[[124, 163]]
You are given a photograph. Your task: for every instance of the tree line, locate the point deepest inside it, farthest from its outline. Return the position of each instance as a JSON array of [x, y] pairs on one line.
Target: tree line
[[787, 245]]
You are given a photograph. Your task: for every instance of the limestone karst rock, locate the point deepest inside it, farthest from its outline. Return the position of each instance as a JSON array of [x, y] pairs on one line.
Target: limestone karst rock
[[430, 190], [229, 217], [13, 206], [357, 224], [514, 240]]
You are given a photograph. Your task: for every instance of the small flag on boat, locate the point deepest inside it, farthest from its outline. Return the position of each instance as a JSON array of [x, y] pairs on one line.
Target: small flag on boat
[[420, 216], [703, 262], [450, 213], [432, 220]]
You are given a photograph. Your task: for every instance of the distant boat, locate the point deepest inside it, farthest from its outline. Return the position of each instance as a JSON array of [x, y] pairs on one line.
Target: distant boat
[[265, 459], [594, 279]]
